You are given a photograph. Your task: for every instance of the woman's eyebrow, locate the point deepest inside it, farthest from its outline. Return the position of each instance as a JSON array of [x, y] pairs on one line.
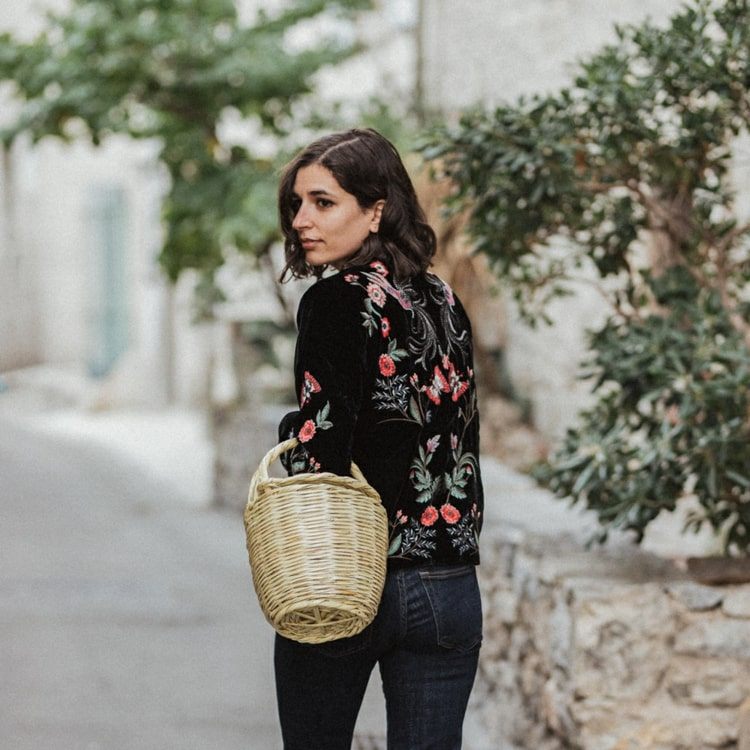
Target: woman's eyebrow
[[315, 193]]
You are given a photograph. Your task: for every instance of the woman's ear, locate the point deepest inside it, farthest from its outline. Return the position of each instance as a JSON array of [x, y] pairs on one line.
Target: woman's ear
[[377, 212]]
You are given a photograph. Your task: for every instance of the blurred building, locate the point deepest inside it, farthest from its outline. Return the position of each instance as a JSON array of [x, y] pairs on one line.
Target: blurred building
[[79, 287]]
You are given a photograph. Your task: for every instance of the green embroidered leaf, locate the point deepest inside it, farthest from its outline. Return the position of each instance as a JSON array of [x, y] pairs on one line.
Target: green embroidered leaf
[[395, 545], [369, 323], [424, 497], [457, 492], [414, 409], [325, 425], [323, 413]]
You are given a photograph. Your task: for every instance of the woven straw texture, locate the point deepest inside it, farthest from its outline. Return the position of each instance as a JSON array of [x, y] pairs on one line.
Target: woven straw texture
[[317, 545]]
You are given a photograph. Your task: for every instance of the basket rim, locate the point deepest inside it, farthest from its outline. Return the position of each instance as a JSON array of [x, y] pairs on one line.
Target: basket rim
[[260, 478]]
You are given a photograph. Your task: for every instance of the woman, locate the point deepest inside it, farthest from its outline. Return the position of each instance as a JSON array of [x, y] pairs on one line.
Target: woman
[[383, 370]]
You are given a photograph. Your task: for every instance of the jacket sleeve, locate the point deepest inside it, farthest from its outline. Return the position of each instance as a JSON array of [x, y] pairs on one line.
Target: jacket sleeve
[[329, 373]]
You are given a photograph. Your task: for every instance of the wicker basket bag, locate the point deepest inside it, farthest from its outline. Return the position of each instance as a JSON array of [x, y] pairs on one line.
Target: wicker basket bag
[[317, 545]]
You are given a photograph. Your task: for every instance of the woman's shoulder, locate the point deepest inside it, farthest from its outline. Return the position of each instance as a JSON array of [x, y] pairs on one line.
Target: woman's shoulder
[[332, 297]]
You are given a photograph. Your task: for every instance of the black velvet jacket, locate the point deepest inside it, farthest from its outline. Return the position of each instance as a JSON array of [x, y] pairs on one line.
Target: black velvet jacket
[[384, 377]]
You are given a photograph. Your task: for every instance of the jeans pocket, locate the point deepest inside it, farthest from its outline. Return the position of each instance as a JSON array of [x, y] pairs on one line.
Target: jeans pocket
[[453, 594], [347, 646]]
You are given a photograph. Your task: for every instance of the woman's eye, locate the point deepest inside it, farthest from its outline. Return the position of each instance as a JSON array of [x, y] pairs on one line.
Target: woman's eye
[[324, 202]]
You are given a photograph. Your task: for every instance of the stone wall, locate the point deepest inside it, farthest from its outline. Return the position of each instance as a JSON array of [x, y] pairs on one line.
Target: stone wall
[[611, 649]]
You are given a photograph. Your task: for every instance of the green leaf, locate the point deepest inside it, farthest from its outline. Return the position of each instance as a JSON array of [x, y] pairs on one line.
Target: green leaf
[[395, 545], [414, 410]]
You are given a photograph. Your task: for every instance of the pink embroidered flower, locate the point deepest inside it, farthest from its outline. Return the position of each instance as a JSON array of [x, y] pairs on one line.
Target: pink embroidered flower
[[314, 465], [429, 516], [379, 268], [387, 365], [454, 442], [385, 327], [432, 444], [309, 386], [401, 517], [414, 380], [376, 294], [450, 513], [350, 277], [446, 362], [307, 431]]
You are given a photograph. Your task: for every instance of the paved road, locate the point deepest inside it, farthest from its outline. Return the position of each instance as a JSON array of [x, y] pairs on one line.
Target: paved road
[[128, 618]]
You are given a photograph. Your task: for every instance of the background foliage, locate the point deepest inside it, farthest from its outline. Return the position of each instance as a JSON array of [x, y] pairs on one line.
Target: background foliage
[[174, 70], [622, 180]]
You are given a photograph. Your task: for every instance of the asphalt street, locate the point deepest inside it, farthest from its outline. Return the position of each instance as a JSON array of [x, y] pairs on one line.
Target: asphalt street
[[128, 617]]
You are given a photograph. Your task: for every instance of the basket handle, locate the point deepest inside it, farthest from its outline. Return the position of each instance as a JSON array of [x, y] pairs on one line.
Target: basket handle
[[262, 473]]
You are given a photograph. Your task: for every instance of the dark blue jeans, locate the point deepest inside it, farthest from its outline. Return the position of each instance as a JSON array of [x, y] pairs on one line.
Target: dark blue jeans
[[425, 638]]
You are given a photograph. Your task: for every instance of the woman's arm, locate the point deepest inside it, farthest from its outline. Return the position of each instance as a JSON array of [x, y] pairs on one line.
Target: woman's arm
[[329, 371]]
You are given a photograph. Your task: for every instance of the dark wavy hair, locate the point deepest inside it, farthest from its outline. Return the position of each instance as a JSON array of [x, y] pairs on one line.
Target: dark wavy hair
[[368, 166]]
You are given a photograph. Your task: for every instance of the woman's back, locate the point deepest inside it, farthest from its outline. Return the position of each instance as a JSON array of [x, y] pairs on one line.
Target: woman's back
[[385, 377]]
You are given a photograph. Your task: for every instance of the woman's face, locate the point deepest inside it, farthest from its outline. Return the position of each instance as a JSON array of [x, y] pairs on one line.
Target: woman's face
[[330, 223]]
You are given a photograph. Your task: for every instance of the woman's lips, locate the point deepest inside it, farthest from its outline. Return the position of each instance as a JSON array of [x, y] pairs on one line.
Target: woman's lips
[[307, 244]]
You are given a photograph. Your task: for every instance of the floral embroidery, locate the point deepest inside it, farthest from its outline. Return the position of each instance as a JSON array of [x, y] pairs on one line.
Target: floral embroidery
[[391, 394], [309, 386], [387, 365], [429, 516], [464, 537], [438, 384], [433, 443], [376, 294], [379, 268], [421, 478], [307, 431], [449, 513], [419, 372], [457, 386], [414, 540], [309, 428]]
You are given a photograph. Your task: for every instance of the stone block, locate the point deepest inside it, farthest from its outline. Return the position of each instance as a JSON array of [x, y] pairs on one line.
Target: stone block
[[737, 602], [694, 596], [678, 729], [715, 637], [720, 683], [621, 642], [504, 604]]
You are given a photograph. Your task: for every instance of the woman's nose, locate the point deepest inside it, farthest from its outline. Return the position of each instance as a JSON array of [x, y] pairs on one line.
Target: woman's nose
[[301, 219]]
